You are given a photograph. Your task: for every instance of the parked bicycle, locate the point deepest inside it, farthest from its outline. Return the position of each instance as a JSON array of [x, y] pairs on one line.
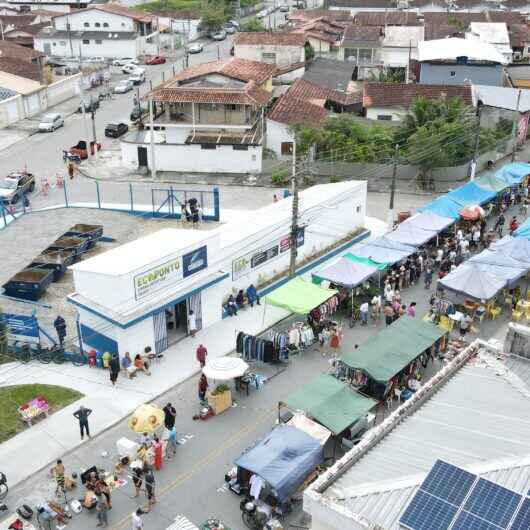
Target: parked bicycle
[[24, 353]]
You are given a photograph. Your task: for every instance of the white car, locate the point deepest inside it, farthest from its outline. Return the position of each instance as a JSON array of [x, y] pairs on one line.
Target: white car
[[196, 48], [262, 14], [123, 86], [137, 79], [125, 60], [50, 122], [132, 69]]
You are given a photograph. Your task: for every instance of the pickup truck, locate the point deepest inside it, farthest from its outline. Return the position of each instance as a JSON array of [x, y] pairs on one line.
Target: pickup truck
[[15, 185]]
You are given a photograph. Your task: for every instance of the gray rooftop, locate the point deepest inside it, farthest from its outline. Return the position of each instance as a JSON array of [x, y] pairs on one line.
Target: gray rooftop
[[6, 93], [329, 73]]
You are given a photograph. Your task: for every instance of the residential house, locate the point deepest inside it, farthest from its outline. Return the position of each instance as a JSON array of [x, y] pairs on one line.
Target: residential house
[[400, 46], [185, 23], [455, 61], [305, 103], [520, 40], [324, 35], [6, 9], [31, 98], [64, 6], [355, 6], [495, 33], [330, 73], [24, 35], [390, 101], [302, 16], [209, 120], [106, 30], [518, 75], [386, 18], [282, 49], [361, 46], [21, 61]]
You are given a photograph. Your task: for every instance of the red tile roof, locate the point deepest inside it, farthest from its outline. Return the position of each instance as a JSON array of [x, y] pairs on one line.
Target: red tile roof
[[363, 34], [306, 15], [266, 37], [403, 95], [519, 35], [386, 18], [13, 51], [236, 68], [20, 68]]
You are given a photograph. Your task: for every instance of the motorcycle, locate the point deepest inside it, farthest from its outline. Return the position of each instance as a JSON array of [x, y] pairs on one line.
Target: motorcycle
[[69, 157]]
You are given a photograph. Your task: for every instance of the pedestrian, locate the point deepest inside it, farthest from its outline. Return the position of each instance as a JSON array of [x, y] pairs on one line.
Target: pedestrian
[[114, 368], [201, 353], [363, 310], [157, 446], [465, 324], [169, 416], [27, 204], [411, 311], [231, 306], [60, 327], [82, 415], [388, 311], [275, 198], [514, 225], [71, 170], [428, 277], [192, 323], [137, 474], [136, 520], [203, 387], [240, 299], [252, 295], [149, 479], [499, 224], [60, 479], [439, 257], [475, 238], [102, 508], [171, 447]]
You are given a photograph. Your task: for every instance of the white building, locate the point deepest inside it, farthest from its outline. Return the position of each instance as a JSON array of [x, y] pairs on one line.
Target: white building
[[280, 49], [140, 294], [495, 33], [400, 46], [456, 420], [64, 6], [185, 23], [106, 30], [211, 120]]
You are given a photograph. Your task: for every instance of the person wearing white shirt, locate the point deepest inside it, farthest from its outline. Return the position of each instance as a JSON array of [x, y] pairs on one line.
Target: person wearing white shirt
[[192, 323], [364, 313], [460, 235], [439, 256], [136, 520]]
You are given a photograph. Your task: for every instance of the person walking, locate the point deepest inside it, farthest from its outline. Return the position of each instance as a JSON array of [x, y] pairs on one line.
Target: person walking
[[388, 311], [60, 479], [136, 520], [170, 415], [203, 387], [60, 327], [137, 474], [411, 310], [157, 446], [171, 447], [363, 310], [499, 224], [82, 414], [149, 479], [201, 354], [192, 323], [114, 368], [102, 508], [428, 277]]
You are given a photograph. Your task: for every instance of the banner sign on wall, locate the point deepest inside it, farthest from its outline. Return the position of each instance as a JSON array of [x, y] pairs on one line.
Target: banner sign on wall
[[167, 274], [22, 328], [244, 265]]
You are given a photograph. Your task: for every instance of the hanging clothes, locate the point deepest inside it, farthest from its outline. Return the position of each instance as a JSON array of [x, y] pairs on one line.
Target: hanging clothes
[[254, 349]]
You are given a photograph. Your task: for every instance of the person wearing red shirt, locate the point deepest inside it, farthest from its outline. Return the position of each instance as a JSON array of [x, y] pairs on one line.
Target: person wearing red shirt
[[202, 352], [203, 387]]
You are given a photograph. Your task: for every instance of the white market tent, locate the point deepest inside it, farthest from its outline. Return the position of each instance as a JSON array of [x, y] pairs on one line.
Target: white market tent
[[470, 280], [225, 368], [500, 265], [410, 234], [428, 220]]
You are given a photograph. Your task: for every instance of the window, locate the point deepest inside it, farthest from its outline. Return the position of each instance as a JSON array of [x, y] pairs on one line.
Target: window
[[240, 147], [208, 146], [86, 41], [55, 44], [452, 73], [365, 56], [98, 41], [233, 107], [123, 24], [528, 49], [268, 58], [358, 209], [97, 25], [384, 117], [287, 148], [105, 24], [86, 24], [62, 43]]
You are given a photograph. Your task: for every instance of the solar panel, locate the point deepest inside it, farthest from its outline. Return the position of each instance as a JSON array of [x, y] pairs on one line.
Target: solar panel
[[448, 482], [522, 520], [492, 503], [467, 521], [426, 512]]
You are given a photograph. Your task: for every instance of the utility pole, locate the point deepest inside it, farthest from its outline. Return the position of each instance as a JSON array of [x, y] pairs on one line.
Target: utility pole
[[473, 163], [152, 140], [83, 102], [93, 116], [393, 189], [294, 220], [516, 125]]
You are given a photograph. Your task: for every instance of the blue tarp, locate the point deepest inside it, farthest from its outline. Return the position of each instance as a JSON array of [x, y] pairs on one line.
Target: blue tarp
[[284, 458], [513, 173], [444, 207], [469, 194], [345, 272], [500, 265], [523, 230], [517, 248], [429, 220], [384, 250]]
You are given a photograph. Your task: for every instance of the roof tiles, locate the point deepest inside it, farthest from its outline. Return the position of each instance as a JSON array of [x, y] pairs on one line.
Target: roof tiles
[[267, 37]]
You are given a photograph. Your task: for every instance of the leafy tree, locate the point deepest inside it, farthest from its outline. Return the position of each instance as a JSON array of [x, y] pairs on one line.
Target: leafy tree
[[388, 75], [213, 15], [309, 52], [252, 25]]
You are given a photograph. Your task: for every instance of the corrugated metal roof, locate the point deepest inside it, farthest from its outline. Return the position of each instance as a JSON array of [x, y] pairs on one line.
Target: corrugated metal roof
[[479, 417]]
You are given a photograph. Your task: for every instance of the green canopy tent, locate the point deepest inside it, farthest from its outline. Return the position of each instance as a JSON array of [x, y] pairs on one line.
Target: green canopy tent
[[330, 402], [366, 261], [299, 296], [391, 350]]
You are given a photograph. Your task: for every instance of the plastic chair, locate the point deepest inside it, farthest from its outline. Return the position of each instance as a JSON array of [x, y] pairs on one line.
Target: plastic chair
[[495, 312], [516, 315]]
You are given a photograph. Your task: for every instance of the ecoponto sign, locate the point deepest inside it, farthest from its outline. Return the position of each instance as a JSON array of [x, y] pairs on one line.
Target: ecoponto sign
[[194, 261], [167, 274], [21, 328]]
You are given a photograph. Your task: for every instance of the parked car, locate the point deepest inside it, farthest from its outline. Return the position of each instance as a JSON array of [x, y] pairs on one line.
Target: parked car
[[137, 79], [97, 59], [284, 8], [196, 48], [219, 35], [137, 113], [157, 59], [233, 23], [125, 60], [123, 86], [15, 185], [262, 14], [115, 130], [228, 28], [50, 122], [131, 69], [90, 105]]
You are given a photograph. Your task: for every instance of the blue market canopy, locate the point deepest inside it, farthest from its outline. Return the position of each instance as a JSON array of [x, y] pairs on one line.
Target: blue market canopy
[[490, 182], [411, 234], [470, 280], [517, 248], [513, 173], [500, 265], [384, 250], [345, 272], [284, 459], [429, 220], [469, 194], [523, 230], [444, 207]]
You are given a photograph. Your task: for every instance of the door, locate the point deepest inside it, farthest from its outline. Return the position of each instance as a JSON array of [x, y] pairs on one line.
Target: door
[[142, 156], [47, 49], [160, 329], [194, 304]]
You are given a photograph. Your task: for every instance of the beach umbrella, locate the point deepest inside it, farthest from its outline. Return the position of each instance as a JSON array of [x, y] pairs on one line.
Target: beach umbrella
[[146, 418]]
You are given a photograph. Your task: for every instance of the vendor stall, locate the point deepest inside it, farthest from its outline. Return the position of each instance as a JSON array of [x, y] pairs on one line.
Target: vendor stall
[[330, 402], [384, 250], [523, 230], [366, 261], [398, 350], [443, 206], [428, 220], [344, 273], [517, 247], [513, 174], [500, 265], [410, 234], [490, 182]]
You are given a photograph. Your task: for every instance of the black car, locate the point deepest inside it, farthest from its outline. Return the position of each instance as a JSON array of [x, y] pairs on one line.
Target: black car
[[137, 113], [15, 185], [90, 105], [114, 130]]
